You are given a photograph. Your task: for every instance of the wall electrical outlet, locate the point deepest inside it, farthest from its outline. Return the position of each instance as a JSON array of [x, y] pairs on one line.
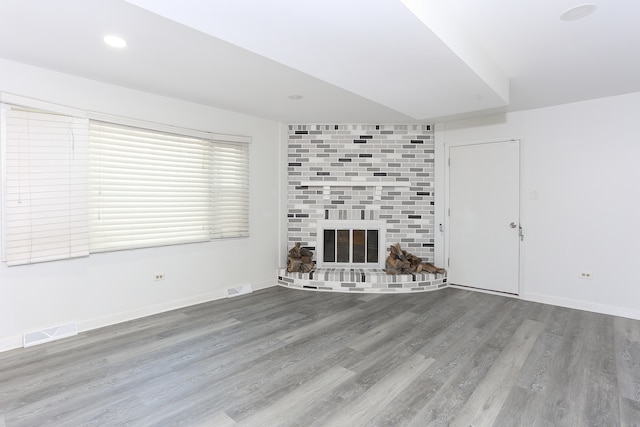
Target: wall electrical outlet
[[586, 275], [158, 276]]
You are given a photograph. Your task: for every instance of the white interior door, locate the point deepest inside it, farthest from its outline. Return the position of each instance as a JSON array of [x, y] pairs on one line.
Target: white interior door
[[484, 215]]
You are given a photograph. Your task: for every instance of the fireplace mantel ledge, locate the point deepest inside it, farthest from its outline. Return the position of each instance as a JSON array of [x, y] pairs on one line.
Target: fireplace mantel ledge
[[355, 184], [376, 185]]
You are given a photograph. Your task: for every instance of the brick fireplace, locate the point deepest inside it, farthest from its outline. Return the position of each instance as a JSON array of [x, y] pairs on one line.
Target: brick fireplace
[[350, 172], [373, 172]]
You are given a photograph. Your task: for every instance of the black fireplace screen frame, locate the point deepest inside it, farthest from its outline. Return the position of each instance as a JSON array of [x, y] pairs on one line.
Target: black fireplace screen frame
[[351, 246]]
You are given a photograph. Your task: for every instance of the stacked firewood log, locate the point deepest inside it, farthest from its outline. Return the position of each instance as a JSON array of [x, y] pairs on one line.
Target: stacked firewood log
[[299, 260], [400, 261]]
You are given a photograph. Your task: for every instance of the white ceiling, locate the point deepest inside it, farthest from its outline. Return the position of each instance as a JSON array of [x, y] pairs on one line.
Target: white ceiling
[[353, 61]]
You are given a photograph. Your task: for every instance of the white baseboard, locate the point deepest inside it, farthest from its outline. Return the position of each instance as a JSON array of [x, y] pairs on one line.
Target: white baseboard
[[112, 319], [10, 343], [583, 305], [264, 285], [484, 291]]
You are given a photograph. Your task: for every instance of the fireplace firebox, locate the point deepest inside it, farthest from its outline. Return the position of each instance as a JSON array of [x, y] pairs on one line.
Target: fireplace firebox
[[357, 244]]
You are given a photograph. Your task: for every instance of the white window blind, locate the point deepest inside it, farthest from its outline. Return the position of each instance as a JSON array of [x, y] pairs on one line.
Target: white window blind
[[230, 213], [147, 188], [44, 186], [151, 187]]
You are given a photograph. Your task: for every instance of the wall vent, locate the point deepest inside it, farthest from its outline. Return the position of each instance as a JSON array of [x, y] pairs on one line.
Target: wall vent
[[50, 334], [239, 290]]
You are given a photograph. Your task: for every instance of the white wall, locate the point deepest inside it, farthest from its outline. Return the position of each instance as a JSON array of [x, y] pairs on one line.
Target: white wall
[[108, 288], [583, 159]]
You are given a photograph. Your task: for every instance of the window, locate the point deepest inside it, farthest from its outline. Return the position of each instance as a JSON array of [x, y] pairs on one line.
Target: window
[[151, 188], [74, 185]]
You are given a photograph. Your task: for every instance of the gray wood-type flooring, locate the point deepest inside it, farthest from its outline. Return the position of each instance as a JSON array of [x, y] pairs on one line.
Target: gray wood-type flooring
[[282, 357]]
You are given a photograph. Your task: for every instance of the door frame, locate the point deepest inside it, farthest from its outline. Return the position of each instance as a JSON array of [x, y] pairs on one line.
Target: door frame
[[445, 219]]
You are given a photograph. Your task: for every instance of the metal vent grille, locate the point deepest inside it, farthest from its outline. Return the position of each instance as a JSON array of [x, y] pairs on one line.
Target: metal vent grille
[[50, 334], [239, 290]]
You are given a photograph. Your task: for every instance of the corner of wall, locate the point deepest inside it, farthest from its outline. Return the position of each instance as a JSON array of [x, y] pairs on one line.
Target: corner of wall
[[440, 199], [283, 137]]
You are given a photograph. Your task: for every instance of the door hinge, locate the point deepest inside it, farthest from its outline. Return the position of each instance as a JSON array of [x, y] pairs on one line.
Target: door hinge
[[449, 212], [521, 233], [448, 262], [449, 161]]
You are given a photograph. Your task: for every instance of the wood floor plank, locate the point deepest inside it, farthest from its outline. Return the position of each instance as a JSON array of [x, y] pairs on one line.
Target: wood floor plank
[[96, 353], [627, 353], [535, 374], [417, 335], [282, 357], [485, 403], [565, 398], [629, 412], [459, 353], [381, 332], [236, 391], [521, 408], [368, 297], [497, 311], [421, 305], [278, 412], [559, 354], [318, 326], [602, 401], [540, 312], [468, 375], [408, 338], [278, 374], [218, 419], [448, 328], [366, 407], [404, 408], [138, 368], [556, 323]]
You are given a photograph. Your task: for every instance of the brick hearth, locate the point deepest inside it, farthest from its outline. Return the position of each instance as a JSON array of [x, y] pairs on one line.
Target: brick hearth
[[361, 280]]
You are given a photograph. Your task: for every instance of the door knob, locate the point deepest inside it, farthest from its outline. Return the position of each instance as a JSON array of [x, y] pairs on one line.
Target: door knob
[[513, 225]]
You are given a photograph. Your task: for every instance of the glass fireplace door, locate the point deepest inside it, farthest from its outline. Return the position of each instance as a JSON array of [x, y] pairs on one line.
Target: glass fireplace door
[[350, 246]]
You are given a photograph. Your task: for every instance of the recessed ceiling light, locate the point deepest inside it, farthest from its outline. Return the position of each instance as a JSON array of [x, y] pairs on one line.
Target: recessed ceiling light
[[115, 41], [578, 12], [296, 97]]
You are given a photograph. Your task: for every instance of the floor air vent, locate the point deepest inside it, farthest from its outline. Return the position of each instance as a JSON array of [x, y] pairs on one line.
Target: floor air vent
[[239, 290], [50, 334]]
